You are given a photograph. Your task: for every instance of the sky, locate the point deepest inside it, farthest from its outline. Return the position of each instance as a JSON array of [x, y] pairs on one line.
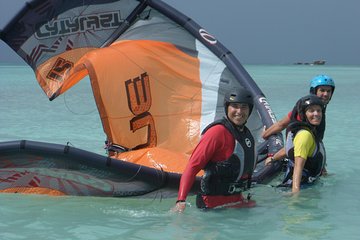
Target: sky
[[263, 31]]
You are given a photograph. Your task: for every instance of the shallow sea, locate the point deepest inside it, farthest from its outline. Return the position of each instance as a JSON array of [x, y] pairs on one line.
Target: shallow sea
[[328, 210]]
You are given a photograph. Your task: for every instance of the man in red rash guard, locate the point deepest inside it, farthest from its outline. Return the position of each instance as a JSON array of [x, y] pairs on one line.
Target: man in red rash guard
[[226, 153]]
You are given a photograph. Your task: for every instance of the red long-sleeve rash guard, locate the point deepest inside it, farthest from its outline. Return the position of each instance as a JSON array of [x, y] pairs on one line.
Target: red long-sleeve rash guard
[[217, 144], [297, 116]]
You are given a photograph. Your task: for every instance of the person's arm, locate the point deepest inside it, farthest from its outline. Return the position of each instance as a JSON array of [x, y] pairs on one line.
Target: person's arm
[[188, 178], [297, 174], [304, 146], [281, 154], [276, 127]]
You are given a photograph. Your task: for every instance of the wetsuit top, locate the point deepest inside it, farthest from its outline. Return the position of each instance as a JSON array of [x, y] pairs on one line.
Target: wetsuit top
[[293, 115], [216, 144], [302, 142]]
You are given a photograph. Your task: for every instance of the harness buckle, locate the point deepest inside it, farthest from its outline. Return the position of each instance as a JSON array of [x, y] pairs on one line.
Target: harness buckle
[[235, 188], [312, 179]]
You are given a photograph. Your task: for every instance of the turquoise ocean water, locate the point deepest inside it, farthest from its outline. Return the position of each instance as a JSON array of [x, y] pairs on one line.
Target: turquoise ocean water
[[328, 210]]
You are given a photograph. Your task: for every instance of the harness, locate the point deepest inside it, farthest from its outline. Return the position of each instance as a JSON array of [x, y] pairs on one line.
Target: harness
[[233, 175]]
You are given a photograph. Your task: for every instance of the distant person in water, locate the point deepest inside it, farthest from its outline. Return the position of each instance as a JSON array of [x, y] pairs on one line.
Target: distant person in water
[[322, 86], [226, 153], [303, 145]]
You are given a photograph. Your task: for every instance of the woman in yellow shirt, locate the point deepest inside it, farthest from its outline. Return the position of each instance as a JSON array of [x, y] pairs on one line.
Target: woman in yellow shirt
[[303, 147]]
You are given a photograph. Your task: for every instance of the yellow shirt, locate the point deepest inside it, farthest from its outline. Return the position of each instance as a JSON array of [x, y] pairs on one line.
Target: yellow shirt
[[304, 144]]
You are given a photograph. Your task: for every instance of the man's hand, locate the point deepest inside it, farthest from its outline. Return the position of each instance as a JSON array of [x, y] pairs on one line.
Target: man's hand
[[179, 207], [268, 161]]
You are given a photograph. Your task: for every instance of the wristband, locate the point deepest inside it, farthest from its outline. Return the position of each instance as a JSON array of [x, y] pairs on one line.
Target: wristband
[[182, 201]]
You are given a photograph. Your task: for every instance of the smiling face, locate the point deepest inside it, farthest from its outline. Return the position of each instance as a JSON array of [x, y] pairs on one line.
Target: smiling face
[[314, 114], [238, 113], [324, 93]]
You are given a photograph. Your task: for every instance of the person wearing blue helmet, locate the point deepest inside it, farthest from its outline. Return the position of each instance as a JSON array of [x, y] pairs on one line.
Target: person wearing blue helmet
[[322, 86]]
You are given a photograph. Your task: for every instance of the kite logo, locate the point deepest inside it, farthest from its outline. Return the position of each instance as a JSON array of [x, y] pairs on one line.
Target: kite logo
[[80, 24], [207, 36], [248, 142], [139, 103], [59, 69], [268, 108]]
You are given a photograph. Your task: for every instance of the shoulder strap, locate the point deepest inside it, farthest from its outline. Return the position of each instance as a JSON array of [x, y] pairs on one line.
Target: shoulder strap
[[217, 122]]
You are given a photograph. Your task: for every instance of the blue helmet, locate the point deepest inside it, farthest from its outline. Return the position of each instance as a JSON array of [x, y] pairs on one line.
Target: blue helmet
[[321, 80]]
